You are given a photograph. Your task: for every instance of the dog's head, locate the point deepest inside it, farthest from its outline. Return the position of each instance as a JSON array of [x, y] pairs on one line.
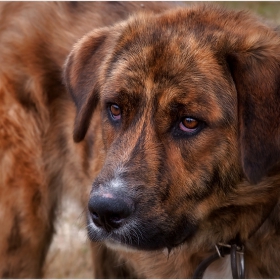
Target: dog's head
[[190, 103]]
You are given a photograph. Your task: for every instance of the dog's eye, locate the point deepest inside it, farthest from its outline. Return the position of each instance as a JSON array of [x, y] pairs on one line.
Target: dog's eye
[[115, 111], [189, 124]]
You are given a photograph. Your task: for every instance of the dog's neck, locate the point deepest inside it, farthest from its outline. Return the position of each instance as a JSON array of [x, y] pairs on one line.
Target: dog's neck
[[253, 216]]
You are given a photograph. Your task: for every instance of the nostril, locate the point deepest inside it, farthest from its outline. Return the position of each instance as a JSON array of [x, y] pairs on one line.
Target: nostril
[[116, 219], [96, 219], [94, 215]]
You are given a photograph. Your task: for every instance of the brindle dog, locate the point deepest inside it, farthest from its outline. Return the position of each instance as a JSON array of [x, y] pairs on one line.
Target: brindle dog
[[187, 103], [177, 119]]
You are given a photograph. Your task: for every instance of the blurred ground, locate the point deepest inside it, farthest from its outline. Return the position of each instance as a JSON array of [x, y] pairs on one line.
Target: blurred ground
[[69, 255]]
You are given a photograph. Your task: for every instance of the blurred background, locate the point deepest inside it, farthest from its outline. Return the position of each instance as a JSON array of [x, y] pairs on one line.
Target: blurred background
[[69, 255], [265, 9]]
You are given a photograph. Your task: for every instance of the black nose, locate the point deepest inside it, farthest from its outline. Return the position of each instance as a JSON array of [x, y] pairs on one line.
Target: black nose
[[109, 213]]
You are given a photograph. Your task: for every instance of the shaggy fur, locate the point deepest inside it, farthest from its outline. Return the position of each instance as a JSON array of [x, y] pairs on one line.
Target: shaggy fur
[[165, 186], [186, 190], [38, 158]]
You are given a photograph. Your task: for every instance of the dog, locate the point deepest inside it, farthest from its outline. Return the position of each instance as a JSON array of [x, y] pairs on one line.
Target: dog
[[176, 135], [187, 103]]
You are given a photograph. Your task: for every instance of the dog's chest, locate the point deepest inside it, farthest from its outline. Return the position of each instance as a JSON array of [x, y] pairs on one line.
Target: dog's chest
[[219, 269]]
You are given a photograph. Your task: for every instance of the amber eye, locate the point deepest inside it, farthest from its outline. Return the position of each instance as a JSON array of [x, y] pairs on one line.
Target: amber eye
[[115, 111], [189, 124]]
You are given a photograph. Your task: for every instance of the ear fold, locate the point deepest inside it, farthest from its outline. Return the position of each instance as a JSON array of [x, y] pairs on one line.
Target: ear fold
[[256, 74], [82, 77]]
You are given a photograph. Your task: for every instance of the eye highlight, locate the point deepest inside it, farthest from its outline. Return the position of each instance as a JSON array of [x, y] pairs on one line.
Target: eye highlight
[[115, 111]]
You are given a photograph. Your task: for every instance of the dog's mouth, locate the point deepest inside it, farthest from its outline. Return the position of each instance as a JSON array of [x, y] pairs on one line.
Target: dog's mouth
[[139, 235]]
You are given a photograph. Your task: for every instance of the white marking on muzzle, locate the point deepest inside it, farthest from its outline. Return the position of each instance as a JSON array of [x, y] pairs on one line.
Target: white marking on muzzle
[[116, 183]]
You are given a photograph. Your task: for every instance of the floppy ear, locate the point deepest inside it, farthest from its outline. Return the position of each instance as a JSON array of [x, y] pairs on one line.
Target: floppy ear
[[256, 73], [82, 77]]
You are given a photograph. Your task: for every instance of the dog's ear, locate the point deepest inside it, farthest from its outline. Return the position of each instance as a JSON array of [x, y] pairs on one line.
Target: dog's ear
[[256, 74], [82, 77]]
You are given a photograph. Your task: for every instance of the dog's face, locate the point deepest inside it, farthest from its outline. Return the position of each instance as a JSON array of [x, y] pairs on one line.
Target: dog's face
[[173, 123]]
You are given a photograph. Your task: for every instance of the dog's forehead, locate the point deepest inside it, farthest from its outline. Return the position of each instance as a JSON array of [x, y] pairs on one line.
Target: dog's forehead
[[166, 60]]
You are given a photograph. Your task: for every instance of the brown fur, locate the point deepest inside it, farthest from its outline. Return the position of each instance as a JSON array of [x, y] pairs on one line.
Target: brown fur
[[38, 158], [187, 191], [213, 60]]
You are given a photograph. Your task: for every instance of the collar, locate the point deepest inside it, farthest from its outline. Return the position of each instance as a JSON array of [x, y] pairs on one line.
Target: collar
[[236, 251]]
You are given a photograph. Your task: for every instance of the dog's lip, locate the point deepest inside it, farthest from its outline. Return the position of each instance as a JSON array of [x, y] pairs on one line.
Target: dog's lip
[[116, 243], [116, 238]]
